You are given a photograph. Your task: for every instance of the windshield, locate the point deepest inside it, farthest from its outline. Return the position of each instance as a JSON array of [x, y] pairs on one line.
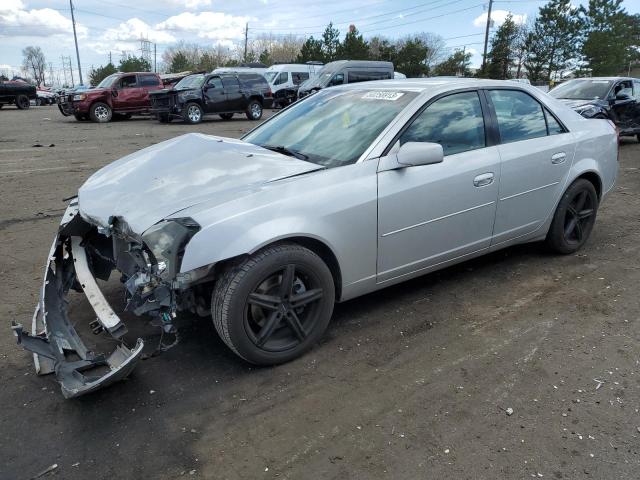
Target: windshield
[[108, 81], [320, 79], [582, 89], [270, 76], [333, 127], [192, 81]]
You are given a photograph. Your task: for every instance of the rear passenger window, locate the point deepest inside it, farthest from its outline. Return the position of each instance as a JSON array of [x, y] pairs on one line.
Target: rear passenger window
[[520, 117], [253, 81], [552, 124], [230, 83], [455, 122], [149, 81]]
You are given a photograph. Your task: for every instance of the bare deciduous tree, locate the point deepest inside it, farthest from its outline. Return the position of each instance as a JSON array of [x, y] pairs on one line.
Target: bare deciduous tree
[[34, 63]]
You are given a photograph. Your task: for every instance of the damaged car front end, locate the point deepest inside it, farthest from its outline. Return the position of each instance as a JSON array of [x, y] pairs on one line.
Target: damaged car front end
[[81, 254]]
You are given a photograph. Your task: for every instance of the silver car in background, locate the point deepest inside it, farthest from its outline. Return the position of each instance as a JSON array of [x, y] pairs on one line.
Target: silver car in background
[[348, 191]]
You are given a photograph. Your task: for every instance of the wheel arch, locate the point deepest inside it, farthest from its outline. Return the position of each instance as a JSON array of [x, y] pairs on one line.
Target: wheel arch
[[595, 180], [256, 97]]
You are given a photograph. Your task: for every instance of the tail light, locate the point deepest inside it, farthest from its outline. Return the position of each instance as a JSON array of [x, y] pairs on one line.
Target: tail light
[[269, 92]]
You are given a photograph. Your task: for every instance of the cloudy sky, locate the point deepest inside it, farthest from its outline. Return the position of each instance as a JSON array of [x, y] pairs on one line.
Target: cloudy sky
[[113, 26]]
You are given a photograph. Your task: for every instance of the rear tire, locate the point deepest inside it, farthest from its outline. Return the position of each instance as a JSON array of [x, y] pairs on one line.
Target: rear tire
[[192, 113], [100, 112], [574, 218], [274, 305], [254, 110], [226, 116], [22, 102]]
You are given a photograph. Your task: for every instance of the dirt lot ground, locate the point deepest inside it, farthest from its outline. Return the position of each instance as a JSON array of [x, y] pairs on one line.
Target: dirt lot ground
[[410, 382]]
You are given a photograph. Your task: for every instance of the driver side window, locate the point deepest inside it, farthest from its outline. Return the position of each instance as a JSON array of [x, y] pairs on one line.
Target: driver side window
[[454, 121], [214, 82], [128, 82], [338, 79]]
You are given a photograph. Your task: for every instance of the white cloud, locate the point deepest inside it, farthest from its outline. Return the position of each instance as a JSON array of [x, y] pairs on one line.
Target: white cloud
[[134, 29], [498, 17], [17, 21], [211, 25]]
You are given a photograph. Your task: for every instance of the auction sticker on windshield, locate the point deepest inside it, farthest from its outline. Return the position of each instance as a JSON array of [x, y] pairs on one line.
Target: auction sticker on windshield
[[392, 96]]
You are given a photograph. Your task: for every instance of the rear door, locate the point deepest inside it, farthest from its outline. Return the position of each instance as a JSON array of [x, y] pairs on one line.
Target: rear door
[[536, 153], [215, 98], [235, 101]]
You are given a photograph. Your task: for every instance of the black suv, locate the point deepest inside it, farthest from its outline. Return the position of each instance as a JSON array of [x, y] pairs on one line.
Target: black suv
[[613, 98], [216, 93]]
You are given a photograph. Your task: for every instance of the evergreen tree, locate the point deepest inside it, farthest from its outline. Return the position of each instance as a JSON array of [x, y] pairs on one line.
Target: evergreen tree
[[553, 44], [207, 62], [612, 38], [180, 63], [411, 57], [311, 50], [457, 64], [130, 63], [96, 75], [382, 49], [330, 43], [265, 57], [500, 58], [354, 46]]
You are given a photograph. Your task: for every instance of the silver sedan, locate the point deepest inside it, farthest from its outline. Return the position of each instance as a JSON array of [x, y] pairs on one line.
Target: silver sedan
[[348, 191]]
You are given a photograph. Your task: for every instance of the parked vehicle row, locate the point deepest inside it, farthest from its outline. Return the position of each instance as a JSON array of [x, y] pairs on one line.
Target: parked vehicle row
[[250, 245], [285, 79]]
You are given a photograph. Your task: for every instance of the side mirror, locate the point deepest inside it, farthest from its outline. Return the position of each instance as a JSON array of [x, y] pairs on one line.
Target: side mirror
[[621, 97], [412, 154]]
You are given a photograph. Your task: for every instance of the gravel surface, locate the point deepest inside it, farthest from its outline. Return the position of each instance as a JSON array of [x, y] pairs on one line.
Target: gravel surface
[[519, 364]]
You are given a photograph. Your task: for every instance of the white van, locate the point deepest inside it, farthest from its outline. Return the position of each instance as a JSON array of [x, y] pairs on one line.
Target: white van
[[285, 78]]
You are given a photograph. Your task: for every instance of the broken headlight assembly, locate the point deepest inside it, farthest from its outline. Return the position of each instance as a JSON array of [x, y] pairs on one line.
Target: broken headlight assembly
[[166, 240], [588, 111]]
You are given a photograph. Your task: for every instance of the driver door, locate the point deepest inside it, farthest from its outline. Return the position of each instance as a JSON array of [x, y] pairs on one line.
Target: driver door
[[214, 97], [625, 109], [129, 95], [430, 214]]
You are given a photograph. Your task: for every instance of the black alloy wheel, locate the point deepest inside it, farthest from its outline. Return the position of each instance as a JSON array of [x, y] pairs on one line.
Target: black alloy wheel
[[275, 305], [574, 217]]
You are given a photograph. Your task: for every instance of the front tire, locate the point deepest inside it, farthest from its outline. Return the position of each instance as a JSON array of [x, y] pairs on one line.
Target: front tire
[[100, 112], [192, 113], [22, 102], [254, 110], [574, 218], [274, 305]]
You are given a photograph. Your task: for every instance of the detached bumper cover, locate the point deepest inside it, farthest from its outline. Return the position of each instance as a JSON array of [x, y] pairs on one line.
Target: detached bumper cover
[[54, 341]]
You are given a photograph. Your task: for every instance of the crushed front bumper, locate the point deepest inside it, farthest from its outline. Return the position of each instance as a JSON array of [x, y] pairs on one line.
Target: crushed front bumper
[[54, 341]]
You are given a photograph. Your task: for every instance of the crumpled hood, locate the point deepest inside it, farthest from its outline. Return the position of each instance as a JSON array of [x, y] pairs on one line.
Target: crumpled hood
[[152, 184], [576, 104]]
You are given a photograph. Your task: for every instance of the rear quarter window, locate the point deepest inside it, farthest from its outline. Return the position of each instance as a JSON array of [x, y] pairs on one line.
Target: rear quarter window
[[254, 81], [149, 81]]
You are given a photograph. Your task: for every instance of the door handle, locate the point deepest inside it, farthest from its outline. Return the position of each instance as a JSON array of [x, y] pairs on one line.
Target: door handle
[[559, 157], [483, 180]]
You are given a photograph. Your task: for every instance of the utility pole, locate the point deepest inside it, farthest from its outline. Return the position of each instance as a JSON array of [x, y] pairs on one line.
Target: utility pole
[[246, 37], [75, 38], [486, 37], [64, 70]]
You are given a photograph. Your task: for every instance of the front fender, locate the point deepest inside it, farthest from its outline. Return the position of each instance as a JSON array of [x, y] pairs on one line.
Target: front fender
[[336, 207]]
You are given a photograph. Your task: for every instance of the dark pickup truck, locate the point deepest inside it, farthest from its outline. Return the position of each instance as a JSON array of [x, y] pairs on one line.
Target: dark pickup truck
[[17, 92], [223, 94]]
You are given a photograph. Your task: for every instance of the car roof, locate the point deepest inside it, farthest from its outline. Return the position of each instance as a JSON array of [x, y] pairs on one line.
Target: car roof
[[424, 84], [605, 78]]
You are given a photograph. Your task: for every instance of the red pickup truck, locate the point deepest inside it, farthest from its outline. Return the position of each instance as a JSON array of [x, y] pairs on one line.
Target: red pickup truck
[[122, 94]]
